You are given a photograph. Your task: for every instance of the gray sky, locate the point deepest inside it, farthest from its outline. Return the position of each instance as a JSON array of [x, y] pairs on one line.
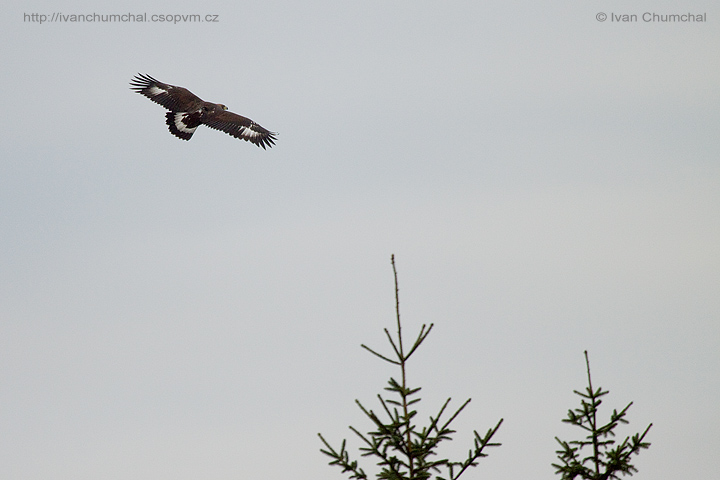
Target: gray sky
[[180, 310]]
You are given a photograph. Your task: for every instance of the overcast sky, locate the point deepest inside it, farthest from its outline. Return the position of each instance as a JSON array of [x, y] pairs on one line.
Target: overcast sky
[[548, 183]]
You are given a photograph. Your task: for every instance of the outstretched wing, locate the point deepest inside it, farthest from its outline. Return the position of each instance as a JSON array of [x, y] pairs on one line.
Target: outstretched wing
[[175, 99], [240, 127]]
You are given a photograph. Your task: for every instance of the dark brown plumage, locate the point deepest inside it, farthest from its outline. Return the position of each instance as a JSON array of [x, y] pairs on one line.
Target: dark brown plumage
[[187, 112]]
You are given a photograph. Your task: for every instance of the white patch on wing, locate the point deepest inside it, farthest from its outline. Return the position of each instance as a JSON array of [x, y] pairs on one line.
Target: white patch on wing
[[248, 132], [155, 90], [180, 125]]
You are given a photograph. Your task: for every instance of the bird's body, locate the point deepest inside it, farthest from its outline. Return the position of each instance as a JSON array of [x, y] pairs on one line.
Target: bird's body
[[187, 112]]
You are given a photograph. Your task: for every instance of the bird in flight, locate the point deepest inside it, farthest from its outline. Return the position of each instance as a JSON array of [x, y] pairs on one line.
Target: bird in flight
[[187, 112]]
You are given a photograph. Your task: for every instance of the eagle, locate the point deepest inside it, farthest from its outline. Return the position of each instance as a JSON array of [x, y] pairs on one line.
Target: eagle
[[187, 112]]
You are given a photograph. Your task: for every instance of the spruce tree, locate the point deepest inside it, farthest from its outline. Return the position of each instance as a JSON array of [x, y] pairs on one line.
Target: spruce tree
[[606, 458], [401, 448]]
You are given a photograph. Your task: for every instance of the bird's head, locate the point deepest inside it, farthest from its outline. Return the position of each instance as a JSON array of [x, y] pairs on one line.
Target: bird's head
[[222, 106]]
